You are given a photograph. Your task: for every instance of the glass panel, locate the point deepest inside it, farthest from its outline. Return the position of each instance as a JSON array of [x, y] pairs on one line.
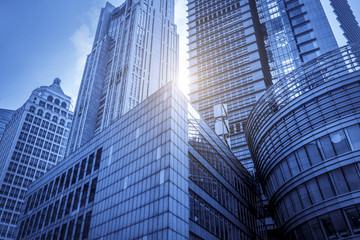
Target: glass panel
[[354, 219], [294, 168], [314, 191], [316, 229], [339, 181], [313, 153], [352, 177], [339, 223], [306, 231], [303, 159], [296, 200], [304, 196], [325, 186], [328, 226], [327, 147], [354, 133], [285, 169], [340, 142]]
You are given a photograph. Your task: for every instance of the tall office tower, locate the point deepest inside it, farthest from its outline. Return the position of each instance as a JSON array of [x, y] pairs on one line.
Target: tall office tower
[[347, 20], [5, 116], [134, 54], [228, 64], [33, 142], [304, 136], [157, 172], [295, 31]]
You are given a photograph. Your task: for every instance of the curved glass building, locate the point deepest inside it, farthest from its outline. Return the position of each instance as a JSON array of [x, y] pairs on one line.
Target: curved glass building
[[304, 136]]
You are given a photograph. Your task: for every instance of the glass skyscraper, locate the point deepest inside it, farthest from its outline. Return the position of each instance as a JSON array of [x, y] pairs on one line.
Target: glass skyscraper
[[347, 20], [157, 172], [228, 64], [134, 54], [33, 142], [5, 116], [295, 32], [146, 169], [304, 136]]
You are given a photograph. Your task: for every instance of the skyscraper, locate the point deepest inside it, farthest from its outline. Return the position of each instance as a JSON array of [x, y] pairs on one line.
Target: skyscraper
[[228, 63], [134, 54], [295, 32], [5, 116], [157, 172], [304, 136], [347, 20], [33, 142]]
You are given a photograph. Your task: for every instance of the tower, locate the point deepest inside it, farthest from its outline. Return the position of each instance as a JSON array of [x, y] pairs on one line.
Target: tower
[[228, 64], [134, 54], [33, 142], [295, 32]]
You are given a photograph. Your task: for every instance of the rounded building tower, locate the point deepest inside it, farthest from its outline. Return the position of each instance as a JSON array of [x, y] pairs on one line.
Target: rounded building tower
[[304, 136]]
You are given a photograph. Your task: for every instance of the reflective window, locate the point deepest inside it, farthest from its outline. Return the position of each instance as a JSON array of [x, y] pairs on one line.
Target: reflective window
[[340, 142], [354, 134], [327, 147]]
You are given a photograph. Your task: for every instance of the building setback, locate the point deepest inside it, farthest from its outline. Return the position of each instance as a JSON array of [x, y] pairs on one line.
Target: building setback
[[133, 55], [33, 142], [295, 32], [228, 64], [158, 172], [304, 136], [347, 20], [5, 116]]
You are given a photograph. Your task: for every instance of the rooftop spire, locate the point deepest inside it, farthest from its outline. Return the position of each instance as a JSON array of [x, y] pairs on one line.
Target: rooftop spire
[[57, 81]]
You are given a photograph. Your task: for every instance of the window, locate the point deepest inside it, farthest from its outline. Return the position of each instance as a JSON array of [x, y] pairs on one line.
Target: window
[[339, 142], [68, 177], [50, 98], [90, 163], [354, 134], [92, 190], [71, 229], [98, 158], [68, 205], [87, 225], [352, 177], [78, 227], [82, 169], [339, 181], [84, 195], [313, 153], [76, 199], [76, 169]]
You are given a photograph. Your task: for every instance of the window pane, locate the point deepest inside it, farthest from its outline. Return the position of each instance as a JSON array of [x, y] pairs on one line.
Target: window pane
[[303, 159], [314, 191], [304, 196], [327, 147], [354, 219], [339, 181], [296, 200], [354, 133], [313, 153], [339, 142], [316, 229], [325, 186], [328, 226], [294, 168], [352, 177], [285, 169], [339, 223]]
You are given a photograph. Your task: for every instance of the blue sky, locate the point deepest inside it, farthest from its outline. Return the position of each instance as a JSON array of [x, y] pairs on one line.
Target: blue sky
[[41, 40]]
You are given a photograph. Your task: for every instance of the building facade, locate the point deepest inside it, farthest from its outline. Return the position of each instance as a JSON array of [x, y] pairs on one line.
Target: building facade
[[134, 54], [295, 32], [304, 136], [5, 116], [33, 142], [228, 63], [347, 20], [157, 172]]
